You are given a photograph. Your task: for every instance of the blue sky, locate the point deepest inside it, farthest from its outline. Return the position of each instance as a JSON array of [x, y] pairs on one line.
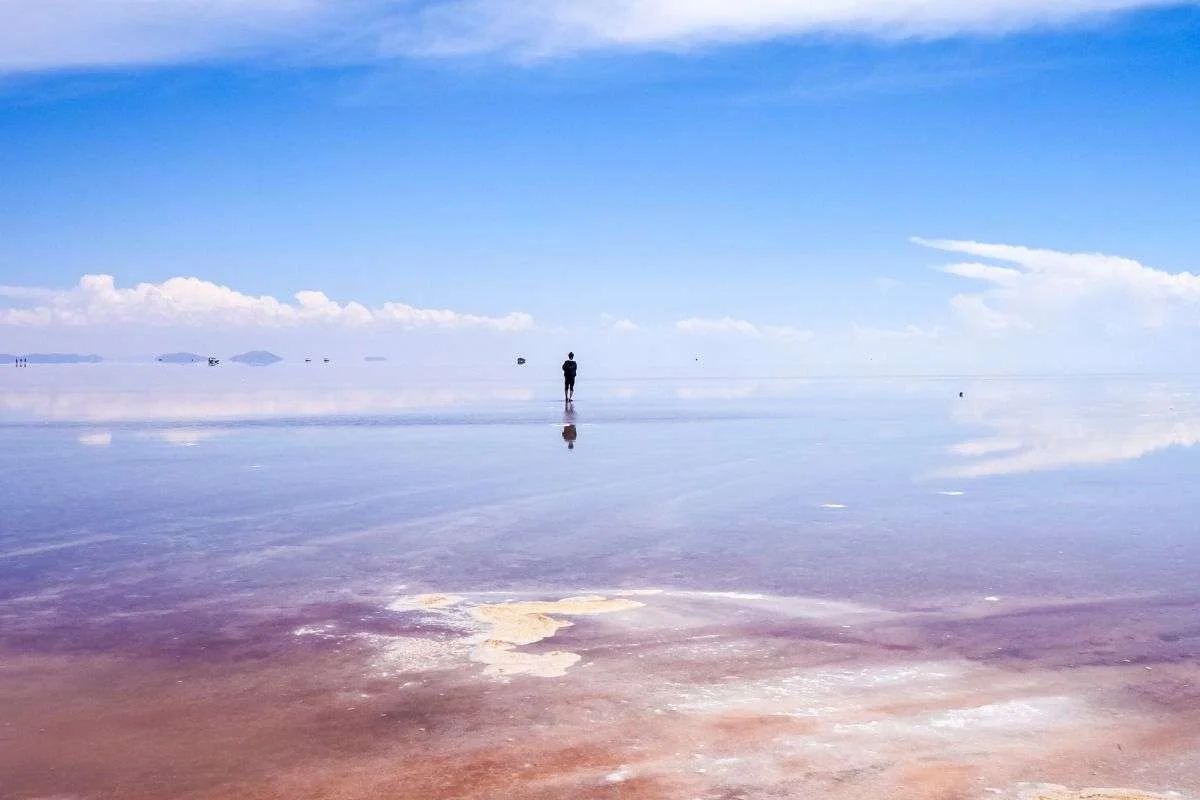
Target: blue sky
[[743, 187]]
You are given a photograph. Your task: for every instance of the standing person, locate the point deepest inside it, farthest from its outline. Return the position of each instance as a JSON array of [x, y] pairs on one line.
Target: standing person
[[569, 370]]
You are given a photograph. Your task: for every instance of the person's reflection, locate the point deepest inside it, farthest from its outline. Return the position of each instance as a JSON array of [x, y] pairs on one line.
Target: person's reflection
[[569, 432]]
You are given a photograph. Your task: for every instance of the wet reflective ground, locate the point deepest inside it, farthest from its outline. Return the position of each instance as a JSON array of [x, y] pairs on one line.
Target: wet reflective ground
[[217, 583]]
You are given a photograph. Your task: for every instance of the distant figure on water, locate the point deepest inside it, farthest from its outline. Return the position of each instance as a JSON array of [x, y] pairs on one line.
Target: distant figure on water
[[569, 370]]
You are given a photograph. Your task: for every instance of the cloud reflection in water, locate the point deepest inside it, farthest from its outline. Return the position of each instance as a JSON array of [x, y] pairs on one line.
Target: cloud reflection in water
[[1038, 426]]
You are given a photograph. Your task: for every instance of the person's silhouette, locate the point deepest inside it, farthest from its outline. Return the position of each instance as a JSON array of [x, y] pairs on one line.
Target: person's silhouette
[[569, 432], [569, 368]]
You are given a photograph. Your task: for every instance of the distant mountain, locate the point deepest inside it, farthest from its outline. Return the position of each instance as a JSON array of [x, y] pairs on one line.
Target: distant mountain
[[54, 358], [257, 358], [181, 358], [375, 358]]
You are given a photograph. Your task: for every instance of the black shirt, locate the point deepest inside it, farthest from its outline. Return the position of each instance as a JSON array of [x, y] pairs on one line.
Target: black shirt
[[569, 369]]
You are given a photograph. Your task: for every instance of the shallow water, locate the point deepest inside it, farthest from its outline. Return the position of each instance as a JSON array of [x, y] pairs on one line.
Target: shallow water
[[176, 516]]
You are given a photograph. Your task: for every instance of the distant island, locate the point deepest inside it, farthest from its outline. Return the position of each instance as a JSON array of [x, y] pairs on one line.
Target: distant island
[[375, 358], [181, 358], [54, 358], [257, 358]]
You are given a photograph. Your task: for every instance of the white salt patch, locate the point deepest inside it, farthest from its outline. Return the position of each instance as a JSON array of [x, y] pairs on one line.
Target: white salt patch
[[992, 598], [1013, 716], [426, 602], [832, 505], [404, 654], [96, 439], [813, 692], [952, 494], [619, 775], [1009, 716], [313, 630], [185, 437]]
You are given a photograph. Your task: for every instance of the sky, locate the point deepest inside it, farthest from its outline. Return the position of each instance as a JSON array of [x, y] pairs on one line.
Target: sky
[[668, 187]]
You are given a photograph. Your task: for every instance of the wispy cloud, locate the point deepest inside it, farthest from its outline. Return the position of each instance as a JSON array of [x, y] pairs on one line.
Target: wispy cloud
[[97, 300], [726, 326], [619, 324], [908, 333], [540, 28], [1034, 289], [56, 34], [786, 333], [53, 34]]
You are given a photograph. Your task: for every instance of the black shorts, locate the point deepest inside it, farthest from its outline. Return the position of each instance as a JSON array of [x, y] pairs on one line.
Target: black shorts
[[569, 383]]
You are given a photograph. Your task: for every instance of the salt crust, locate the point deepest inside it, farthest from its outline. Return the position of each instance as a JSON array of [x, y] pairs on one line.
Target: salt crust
[[495, 631], [1049, 791], [527, 622]]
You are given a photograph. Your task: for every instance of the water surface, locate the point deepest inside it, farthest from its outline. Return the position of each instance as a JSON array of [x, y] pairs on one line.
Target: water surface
[[190, 513]]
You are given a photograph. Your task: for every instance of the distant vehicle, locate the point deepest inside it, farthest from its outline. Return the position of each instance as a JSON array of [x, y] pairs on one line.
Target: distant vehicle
[[520, 360], [212, 362], [327, 361]]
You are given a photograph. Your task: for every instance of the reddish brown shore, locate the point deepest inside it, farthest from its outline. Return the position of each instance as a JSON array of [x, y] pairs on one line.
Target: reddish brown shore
[[672, 696]]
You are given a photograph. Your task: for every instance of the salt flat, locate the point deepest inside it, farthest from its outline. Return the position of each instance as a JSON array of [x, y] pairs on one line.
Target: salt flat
[[261, 587]]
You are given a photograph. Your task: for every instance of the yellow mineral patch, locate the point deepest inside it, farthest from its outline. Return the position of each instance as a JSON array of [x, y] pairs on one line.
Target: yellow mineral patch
[[516, 627], [436, 600], [424, 602], [526, 622], [503, 660], [1051, 792]]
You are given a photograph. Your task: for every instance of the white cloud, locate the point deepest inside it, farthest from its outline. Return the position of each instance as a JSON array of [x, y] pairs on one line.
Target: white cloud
[[539, 28], [724, 325], [867, 333], [700, 326], [187, 302], [1002, 276], [619, 324], [52, 34], [1044, 289], [786, 333], [977, 314]]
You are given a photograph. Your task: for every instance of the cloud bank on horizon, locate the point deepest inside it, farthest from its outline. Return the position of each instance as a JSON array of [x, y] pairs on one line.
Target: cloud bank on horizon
[[55, 34], [192, 302], [1028, 297]]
